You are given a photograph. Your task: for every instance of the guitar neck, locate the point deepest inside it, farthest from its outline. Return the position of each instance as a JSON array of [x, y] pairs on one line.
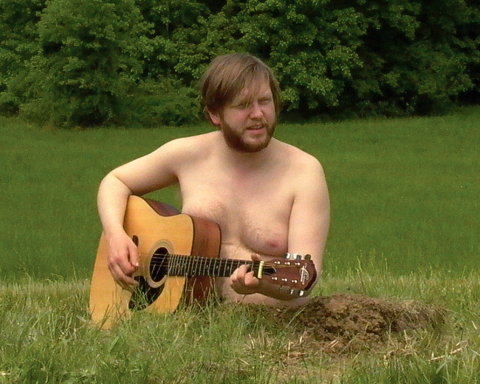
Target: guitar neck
[[180, 265]]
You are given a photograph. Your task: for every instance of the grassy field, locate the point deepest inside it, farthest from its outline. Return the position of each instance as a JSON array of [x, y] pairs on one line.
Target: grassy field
[[46, 337], [405, 226]]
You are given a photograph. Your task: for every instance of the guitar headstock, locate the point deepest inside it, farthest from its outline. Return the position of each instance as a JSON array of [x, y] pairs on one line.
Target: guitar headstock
[[294, 271]]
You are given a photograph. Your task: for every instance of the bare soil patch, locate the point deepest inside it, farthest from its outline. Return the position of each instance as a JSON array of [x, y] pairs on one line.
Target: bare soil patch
[[347, 323]]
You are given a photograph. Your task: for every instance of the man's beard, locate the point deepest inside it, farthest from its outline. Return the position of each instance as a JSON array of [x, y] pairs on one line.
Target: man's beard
[[236, 141]]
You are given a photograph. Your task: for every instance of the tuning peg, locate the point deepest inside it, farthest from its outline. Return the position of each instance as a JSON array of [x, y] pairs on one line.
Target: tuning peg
[[297, 256], [297, 292]]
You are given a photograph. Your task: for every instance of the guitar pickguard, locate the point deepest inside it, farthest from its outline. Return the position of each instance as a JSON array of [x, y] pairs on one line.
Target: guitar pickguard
[[144, 295]]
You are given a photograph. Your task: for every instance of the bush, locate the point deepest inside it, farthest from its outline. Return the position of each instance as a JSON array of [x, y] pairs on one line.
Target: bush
[[414, 56], [388, 57], [158, 103], [88, 62], [91, 62], [311, 45], [18, 44]]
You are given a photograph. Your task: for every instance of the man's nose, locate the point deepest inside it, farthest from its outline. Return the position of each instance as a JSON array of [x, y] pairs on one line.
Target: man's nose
[[255, 110]]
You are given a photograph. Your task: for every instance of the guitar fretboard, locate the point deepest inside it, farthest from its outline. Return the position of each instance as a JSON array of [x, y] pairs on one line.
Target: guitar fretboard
[[180, 265]]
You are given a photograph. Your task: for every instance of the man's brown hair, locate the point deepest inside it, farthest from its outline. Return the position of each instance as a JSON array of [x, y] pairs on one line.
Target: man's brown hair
[[229, 74]]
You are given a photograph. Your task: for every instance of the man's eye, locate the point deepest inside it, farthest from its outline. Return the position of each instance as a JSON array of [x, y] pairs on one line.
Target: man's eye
[[264, 101], [243, 105]]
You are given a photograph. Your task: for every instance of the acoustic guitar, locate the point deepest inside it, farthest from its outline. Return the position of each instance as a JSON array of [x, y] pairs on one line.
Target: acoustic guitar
[[178, 257]]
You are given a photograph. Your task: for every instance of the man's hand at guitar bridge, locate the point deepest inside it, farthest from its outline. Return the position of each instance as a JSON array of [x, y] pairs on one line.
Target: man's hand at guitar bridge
[[122, 259]]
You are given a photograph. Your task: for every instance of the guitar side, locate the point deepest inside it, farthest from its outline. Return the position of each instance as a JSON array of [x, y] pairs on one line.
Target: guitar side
[[153, 226]]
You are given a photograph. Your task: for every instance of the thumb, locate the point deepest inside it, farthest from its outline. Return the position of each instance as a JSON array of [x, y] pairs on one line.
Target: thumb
[[256, 257]]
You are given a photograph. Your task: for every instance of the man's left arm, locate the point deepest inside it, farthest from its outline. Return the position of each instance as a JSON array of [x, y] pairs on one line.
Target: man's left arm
[[310, 215], [308, 230]]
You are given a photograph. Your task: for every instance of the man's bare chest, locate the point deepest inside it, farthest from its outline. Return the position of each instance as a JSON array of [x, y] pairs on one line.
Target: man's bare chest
[[253, 216]]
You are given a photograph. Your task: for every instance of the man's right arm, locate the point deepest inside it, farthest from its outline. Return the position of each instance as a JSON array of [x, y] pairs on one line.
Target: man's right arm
[[148, 173], [122, 252]]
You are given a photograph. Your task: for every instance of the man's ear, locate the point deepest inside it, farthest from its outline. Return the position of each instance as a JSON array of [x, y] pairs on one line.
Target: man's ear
[[214, 118]]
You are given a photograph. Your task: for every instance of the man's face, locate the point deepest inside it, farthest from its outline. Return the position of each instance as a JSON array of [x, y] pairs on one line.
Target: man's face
[[248, 122]]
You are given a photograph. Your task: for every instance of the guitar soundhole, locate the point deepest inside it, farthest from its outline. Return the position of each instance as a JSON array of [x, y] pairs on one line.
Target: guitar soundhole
[[145, 294], [159, 264]]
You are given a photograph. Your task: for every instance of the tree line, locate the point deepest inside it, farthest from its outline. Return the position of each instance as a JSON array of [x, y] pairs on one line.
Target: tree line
[[137, 62]]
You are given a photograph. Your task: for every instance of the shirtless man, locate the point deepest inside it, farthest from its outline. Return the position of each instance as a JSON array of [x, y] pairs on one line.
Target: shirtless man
[[268, 197]]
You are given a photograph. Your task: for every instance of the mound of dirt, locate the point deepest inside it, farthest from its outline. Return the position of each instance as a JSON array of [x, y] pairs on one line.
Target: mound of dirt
[[349, 322]]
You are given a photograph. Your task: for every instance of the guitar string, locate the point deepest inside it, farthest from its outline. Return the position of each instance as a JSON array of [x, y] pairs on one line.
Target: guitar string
[[181, 260], [160, 257], [218, 259], [182, 264]]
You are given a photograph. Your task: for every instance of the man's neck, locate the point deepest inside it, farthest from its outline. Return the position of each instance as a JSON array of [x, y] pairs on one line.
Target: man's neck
[[245, 161]]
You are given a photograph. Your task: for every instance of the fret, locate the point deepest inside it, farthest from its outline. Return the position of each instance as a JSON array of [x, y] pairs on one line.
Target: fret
[[209, 266], [191, 265], [216, 267], [224, 269], [183, 263]]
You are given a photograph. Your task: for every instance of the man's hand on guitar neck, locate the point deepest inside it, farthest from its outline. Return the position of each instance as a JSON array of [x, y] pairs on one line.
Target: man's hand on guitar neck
[[243, 280], [122, 259]]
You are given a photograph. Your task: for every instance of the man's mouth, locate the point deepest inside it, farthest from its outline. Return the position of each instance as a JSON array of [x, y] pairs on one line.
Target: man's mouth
[[256, 127]]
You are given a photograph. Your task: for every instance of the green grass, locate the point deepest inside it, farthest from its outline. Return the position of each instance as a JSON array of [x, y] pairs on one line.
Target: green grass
[[46, 337], [404, 226]]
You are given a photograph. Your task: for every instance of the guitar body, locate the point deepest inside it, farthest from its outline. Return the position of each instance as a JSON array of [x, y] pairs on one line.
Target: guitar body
[[158, 230]]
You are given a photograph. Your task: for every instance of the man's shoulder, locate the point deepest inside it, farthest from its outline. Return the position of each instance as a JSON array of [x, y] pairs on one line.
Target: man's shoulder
[[305, 172], [203, 139], [297, 156], [189, 145]]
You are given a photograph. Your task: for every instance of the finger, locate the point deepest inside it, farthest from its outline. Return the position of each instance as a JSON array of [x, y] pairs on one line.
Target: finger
[[250, 280], [241, 272], [124, 281], [122, 269], [124, 261], [238, 276], [233, 276], [133, 252], [243, 278]]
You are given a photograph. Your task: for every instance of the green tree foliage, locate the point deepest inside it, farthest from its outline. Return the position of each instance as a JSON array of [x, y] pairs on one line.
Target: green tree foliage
[[310, 44], [415, 55], [18, 35], [88, 61], [85, 62]]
